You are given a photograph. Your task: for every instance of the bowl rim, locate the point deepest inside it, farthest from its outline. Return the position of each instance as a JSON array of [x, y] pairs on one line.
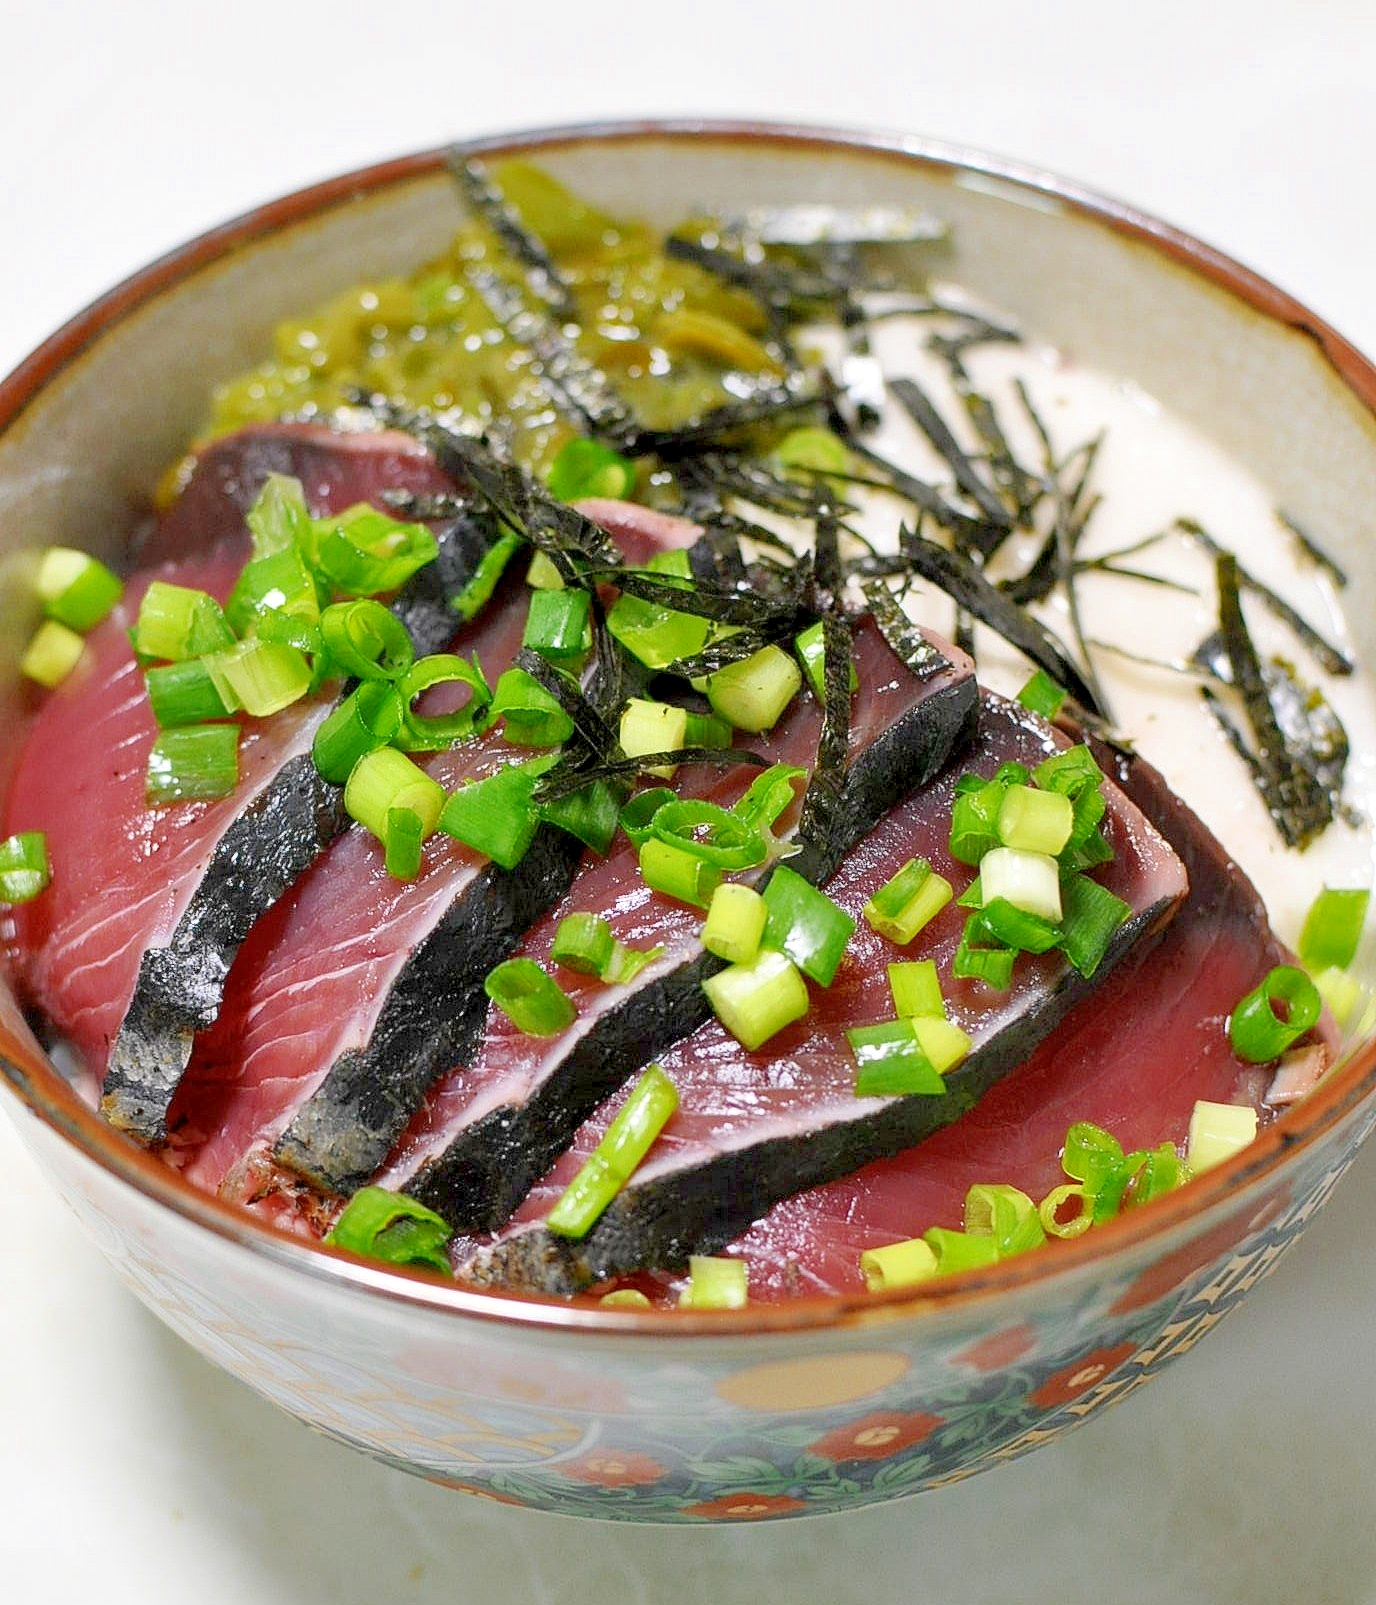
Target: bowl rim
[[1223, 1192]]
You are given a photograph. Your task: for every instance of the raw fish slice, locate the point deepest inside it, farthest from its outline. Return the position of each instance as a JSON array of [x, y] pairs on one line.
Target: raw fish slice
[[755, 1128], [358, 989], [494, 1126]]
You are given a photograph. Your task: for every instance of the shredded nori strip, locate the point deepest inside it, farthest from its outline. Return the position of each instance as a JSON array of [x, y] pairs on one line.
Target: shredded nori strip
[[905, 640], [1313, 550], [964, 583], [1335, 661], [1298, 801], [488, 202], [562, 781], [918, 405]]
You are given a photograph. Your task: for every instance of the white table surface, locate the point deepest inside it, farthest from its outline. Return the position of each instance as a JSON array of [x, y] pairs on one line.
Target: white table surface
[[130, 1470]]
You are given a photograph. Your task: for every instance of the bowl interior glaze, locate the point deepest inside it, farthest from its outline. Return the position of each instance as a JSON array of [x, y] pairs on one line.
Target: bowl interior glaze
[[423, 1374]]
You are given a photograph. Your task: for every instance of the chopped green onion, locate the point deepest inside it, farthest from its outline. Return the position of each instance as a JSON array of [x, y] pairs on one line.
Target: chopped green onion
[[638, 814], [386, 779], [196, 762], [1162, 1171], [715, 1283], [757, 1000], [559, 626], [52, 654], [908, 901], [916, 989], [999, 924], [279, 520], [655, 635], [1091, 914], [890, 1061], [1035, 821], [280, 583], [24, 867], [391, 1227], [805, 924], [533, 717], [627, 962], [630, 1298], [365, 640], [533, 1001], [584, 943], [402, 843], [769, 795], [1042, 695], [679, 874], [477, 593], [363, 552], [435, 733], [607, 1169], [583, 467], [496, 816], [1071, 771], [975, 811], [980, 956], [706, 730], [652, 727], [590, 814], [176, 622], [184, 693], [1049, 1211], [1217, 1132], [735, 923], [365, 720], [716, 835], [1004, 1213], [1333, 928], [808, 644], [897, 1265], [814, 449], [1029, 881], [542, 573], [753, 693], [258, 676], [1274, 1015], [1342, 992], [959, 1251], [944, 1043], [75, 588], [1091, 1155]]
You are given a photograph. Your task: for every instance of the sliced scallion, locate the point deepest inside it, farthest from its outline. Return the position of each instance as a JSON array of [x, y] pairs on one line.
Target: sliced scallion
[[1332, 928], [1035, 821], [260, 677], [960, 1251], [1274, 1015], [184, 693], [402, 843], [559, 627], [436, 732], [532, 1000], [365, 720], [811, 652], [753, 693], [652, 727], [590, 814], [196, 762], [1004, 1213], [1090, 916], [75, 588], [383, 1225], [477, 593], [890, 1061], [629, 1137], [496, 816], [908, 901], [944, 1043], [386, 779], [805, 924], [704, 830], [532, 717], [176, 622], [52, 653], [757, 1000], [735, 923], [715, 1283], [897, 1265], [584, 943], [363, 552], [365, 640], [1217, 1132], [916, 989], [1042, 695], [1029, 881], [279, 519], [682, 875], [24, 867], [584, 467]]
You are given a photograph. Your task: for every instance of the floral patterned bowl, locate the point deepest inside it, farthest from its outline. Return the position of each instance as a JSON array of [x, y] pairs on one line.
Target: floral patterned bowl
[[734, 1415]]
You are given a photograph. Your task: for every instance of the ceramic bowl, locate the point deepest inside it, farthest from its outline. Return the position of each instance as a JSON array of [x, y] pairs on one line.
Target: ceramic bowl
[[764, 1412]]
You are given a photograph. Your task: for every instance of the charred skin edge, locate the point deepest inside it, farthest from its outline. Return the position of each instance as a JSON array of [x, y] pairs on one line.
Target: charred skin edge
[[480, 1178], [701, 1208], [343, 1132], [180, 986]]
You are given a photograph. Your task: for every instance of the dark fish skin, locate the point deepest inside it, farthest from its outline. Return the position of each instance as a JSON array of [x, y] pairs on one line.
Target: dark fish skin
[[701, 1208], [343, 1132], [180, 985], [486, 1169], [744, 1142]]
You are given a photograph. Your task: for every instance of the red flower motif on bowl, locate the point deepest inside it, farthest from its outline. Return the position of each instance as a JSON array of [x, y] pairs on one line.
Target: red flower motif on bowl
[[614, 1468], [1072, 1380], [745, 1507], [876, 1436]]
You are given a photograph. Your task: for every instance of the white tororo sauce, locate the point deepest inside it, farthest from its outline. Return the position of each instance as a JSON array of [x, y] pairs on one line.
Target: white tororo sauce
[[1150, 470]]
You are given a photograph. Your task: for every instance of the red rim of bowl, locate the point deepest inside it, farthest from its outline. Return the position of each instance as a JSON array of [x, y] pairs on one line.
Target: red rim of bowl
[[1224, 1191]]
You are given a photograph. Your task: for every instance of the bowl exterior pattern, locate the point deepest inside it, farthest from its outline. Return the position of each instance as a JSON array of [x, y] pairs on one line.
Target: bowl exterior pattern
[[655, 1430]]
